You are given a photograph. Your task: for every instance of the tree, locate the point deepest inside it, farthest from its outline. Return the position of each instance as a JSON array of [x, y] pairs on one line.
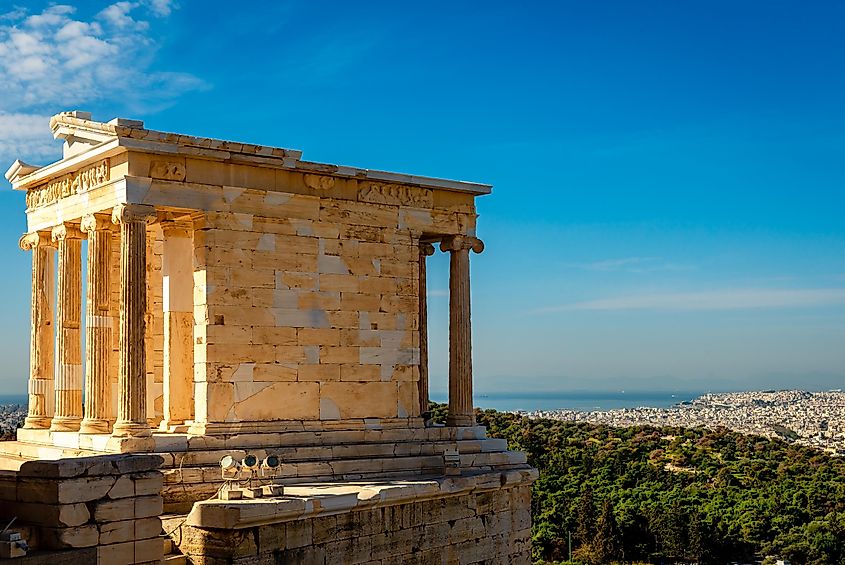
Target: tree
[[608, 541], [586, 531]]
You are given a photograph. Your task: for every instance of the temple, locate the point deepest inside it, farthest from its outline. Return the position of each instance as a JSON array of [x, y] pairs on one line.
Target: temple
[[238, 299]]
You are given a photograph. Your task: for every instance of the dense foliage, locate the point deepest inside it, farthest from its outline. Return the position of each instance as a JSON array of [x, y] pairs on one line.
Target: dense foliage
[[669, 495]]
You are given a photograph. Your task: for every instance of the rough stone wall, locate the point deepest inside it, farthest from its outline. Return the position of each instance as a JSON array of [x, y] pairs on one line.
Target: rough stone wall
[[492, 527], [309, 299], [110, 502]]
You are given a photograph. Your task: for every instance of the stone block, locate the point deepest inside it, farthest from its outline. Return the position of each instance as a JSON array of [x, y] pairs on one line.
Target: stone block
[[85, 489], [272, 335], [298, 534], [353, 372], [117, 532], [148, 550], [324, 372], [301, 402], [268, 372], [339, 283], [123, 553], [338, 354], [362, 400], [60, 538]]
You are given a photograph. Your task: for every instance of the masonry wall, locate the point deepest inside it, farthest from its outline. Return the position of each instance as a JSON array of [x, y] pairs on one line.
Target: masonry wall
[[306, 307], [492, 527], [111, 503]]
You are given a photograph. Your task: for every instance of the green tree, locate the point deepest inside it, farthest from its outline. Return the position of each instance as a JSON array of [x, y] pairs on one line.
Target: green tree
[[608, 541]]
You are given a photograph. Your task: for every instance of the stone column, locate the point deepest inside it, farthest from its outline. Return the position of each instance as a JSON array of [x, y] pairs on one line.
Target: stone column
[[98, 326], [178, 298], [426, 249], [132, 383], [68, 412], [41, 344], [460, 330]]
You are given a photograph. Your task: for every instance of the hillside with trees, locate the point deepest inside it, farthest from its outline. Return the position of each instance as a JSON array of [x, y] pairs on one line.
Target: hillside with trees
[[675, 495]]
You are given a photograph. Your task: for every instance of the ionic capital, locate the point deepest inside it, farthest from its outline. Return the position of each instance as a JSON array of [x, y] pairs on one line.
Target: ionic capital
[[29, 241], [133, 213], [461, 242], [426, 249], [95, 222], [171, 228], [66, 231]]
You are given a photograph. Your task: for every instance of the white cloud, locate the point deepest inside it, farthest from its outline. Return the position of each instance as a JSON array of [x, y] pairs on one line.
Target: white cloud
[[162, 8], [52, 61], [731, 299], [27, 136]]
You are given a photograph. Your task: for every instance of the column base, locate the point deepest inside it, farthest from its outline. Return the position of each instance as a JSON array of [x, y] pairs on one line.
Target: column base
[[130, 444], [131, 429], [37, 422], [174, 426], [65, 424], [460, 421], [95, 426]]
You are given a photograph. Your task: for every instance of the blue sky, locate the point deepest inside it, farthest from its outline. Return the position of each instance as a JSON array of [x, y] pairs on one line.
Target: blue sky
[[668, 177]]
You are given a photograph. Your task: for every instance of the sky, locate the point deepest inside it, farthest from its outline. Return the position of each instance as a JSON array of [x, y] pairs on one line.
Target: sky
[[667, 206]]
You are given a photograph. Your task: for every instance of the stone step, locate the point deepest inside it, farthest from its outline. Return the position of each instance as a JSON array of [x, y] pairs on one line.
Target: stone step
[[211, 456], [333, 452], [46, 445], [183, 487], [175, 560], [308, 468]]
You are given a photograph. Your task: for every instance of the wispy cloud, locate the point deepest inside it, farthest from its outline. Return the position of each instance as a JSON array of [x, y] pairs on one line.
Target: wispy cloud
[[731, 299], [632, 265], [52, 61]]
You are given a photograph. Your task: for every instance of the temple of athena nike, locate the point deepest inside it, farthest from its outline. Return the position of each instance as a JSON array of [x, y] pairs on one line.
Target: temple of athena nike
[[194, 299]]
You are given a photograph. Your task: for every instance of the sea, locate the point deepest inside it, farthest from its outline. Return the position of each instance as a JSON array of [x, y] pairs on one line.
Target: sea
[[583, 400], [13, 399]]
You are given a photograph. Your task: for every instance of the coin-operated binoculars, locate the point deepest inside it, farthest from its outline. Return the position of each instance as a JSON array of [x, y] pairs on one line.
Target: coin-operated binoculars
[[270, 468], [230, 470], [239, 476]]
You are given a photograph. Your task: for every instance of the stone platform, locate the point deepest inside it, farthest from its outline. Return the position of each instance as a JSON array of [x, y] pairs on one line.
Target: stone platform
[[473, 518], [191, 463]]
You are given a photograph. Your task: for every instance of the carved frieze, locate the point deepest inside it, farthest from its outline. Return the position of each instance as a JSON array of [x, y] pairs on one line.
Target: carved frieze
[[319, 182], [72, 183], [395, 194], [167, 170]]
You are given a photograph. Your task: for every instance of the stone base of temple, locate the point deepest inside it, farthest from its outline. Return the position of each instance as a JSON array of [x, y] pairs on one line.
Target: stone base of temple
[[191, 463], [473, 518]]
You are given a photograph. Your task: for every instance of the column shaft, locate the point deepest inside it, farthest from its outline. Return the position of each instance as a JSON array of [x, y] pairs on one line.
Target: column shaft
[[426, 249], [98, 327], [460, 330], [68, 413], [178, 297], [131, 405], [41, 345]]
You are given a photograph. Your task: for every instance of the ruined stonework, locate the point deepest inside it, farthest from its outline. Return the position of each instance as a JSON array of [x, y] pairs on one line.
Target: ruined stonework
[[239, 299], [464, 522]]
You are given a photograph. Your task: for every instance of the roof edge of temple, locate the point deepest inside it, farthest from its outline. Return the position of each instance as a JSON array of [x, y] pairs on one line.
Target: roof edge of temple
[[83, 134]]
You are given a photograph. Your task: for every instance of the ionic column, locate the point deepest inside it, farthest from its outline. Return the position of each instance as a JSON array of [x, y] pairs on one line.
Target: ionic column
[[98, 326], [131, 376], [41, 344], [68, 413], [460, 331], [178, 298], [426, 249]]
